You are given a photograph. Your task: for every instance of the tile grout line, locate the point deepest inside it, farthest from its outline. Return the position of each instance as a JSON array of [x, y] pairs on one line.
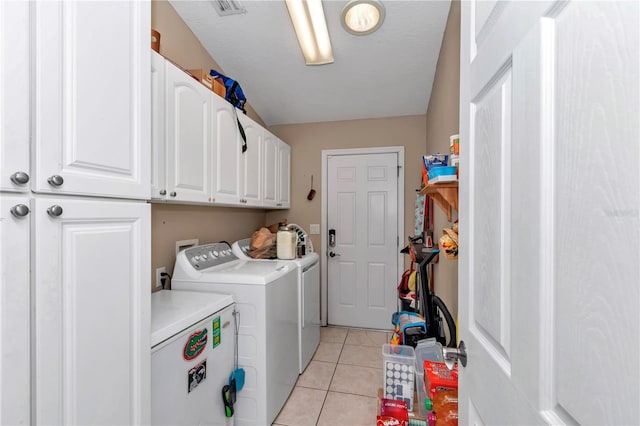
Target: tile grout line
[[332, 376]]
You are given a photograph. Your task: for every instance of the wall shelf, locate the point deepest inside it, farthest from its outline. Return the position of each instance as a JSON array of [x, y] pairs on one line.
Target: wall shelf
[[444, 194]]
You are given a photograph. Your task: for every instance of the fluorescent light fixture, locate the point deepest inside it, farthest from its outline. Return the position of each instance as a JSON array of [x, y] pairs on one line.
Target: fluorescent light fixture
[[311, 29], [361, 17]]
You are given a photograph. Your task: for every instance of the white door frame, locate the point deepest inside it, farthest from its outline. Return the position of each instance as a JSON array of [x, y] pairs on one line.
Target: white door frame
[[326, 153]]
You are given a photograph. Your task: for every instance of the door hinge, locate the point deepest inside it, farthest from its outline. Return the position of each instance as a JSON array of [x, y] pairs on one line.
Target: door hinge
[[399, 167], [397, 241]]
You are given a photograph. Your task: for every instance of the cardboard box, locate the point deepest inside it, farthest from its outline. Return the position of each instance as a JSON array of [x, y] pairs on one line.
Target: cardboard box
[[214, 84]]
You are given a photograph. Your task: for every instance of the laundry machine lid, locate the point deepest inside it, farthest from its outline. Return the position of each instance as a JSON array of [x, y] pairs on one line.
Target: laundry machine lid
[[252, 272], [175, 311]]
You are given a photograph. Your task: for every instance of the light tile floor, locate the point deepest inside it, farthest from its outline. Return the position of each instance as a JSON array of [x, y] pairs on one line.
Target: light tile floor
[[340, 384]]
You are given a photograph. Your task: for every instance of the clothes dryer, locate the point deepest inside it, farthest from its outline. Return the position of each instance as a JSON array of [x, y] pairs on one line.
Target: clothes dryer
[[308, 299], [266, 298]]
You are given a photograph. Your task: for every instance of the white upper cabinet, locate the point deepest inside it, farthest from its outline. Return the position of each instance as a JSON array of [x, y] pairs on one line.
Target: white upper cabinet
[[158, 141], [15, 357], [227, 151], [197, 150], [91, 114], [91, 298], [251, 162], [14, 97], [188, 136], [284, 175], [270, 170]]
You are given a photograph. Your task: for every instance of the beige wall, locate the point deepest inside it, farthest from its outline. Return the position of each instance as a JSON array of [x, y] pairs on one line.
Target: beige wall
[[171, 223], [442, 122], [308, 140]]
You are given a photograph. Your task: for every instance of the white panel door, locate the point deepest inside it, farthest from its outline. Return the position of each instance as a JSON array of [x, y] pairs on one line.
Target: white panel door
[[15, 340], [14, 96], [188, 137], [362, 209], [550, 195], [251, 162], [91, 116], [226, 153], [92, 320], [158, 124], [270, 170], [284, 175]]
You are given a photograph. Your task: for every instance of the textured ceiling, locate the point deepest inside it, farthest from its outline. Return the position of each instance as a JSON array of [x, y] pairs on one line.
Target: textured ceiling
[[385, 74]]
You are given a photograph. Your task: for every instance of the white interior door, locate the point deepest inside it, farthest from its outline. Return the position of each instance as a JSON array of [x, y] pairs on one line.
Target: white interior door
[[362, 262], [549, 273]]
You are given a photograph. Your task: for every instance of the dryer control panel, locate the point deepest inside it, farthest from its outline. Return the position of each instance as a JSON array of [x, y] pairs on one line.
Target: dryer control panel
[[208, 255]]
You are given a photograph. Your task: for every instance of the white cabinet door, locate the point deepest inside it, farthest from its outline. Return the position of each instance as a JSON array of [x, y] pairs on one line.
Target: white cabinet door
[[227, 150], [91, 116], [251, 162], [284, 175], [158, 142], [188, 115], [15, 340], [92, 320], [14, 96], [270, 170]]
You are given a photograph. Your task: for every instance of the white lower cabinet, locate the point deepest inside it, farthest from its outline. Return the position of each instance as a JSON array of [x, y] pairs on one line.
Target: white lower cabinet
[[91, 311], [15, 357]]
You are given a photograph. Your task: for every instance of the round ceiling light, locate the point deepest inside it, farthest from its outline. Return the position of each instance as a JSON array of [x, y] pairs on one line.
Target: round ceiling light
[[361, 17]]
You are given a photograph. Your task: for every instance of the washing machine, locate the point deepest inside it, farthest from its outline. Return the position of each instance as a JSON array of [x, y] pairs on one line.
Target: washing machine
[[308, 303], [192, 356], [265, 294]]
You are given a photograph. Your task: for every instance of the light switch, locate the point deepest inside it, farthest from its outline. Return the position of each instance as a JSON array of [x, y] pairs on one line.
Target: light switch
[[314, 229]]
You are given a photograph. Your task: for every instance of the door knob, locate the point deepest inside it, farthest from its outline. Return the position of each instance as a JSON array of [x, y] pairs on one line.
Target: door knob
[[54, 211], [20, 210], [19, 178], [55, 180], [332, 254], [453, 354]]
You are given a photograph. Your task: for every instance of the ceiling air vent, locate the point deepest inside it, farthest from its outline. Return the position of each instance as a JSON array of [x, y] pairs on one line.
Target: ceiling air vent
[[228, 7]]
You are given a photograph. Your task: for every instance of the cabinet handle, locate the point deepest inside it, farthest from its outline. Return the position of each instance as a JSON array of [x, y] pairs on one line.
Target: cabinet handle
[[20, 178], [55, 180], [163, 192], [54, 211], [279, 204], [173, 193], [20, 210]]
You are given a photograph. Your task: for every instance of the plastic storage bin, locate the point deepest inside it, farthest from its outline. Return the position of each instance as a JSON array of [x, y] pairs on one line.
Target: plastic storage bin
[[399, 372], [428, 349]]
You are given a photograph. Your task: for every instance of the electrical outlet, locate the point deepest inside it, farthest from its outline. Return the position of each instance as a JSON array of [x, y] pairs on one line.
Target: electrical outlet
[[159, 271]]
